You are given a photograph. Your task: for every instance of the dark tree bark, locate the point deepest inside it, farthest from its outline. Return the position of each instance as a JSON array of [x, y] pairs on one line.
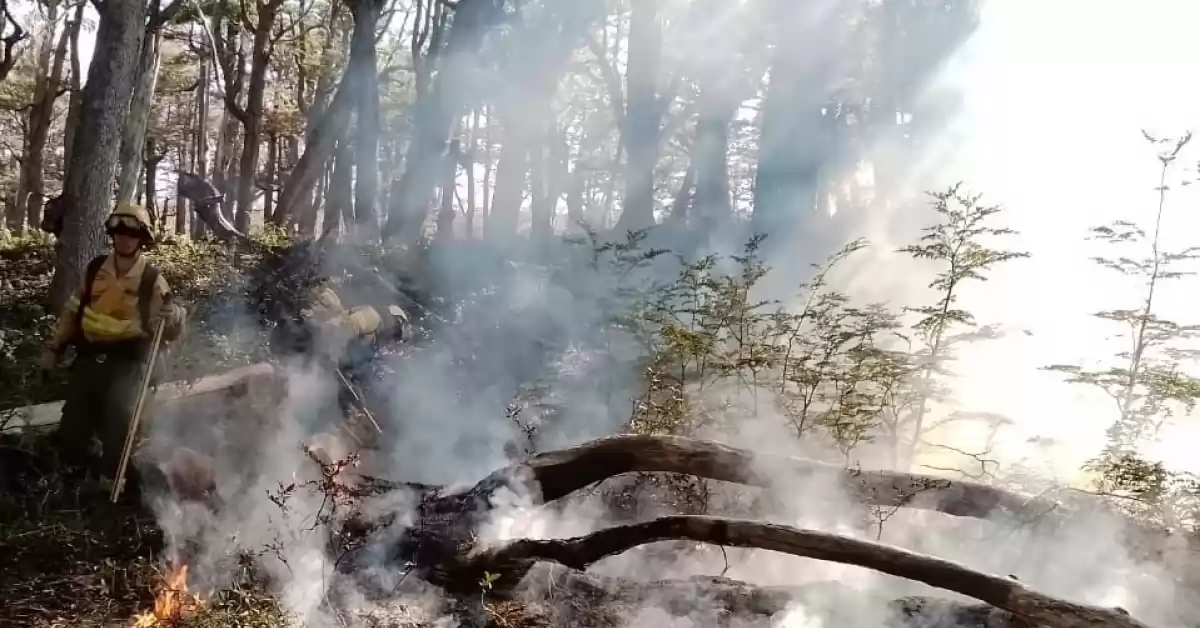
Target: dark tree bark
[[338, 201], [10, 53], [713, 202], [570, 592], [642, 117], [133, 136], [252, 116], [445, 217], [442, 543], [87, 193], [366, 180], [152, 157], [469, 169], [435, 114], [75, 102], [201, 133], [41, 116], [795, 135], [1007, 594], [512, 168], [333, 123]]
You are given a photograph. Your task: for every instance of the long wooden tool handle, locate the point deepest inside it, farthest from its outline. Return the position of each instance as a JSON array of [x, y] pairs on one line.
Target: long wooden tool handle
[[358, 400], [131, 435]]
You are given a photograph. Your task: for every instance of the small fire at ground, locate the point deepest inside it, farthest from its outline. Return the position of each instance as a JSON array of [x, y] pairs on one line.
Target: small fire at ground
[[172, 602]]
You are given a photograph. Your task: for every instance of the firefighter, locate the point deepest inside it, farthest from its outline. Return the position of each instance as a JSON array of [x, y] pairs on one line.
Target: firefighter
[[110, 320], [347, 340], [351, 336]]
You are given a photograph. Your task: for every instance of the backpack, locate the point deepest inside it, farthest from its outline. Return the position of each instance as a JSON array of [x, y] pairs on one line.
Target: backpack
[[144, 292]]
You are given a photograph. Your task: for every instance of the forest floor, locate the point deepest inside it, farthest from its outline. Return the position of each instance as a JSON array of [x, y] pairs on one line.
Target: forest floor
[[69, 558]]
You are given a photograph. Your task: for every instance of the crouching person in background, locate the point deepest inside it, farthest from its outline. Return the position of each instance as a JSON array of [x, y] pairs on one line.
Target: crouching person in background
[[110, 320], [347, 341]]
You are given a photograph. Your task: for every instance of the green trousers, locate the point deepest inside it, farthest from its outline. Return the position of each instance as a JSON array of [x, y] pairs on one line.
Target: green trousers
[[101, 393]]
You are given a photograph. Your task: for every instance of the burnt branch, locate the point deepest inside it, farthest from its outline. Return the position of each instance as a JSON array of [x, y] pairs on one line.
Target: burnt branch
[[556, 474], [562, 587], [1003, 593]]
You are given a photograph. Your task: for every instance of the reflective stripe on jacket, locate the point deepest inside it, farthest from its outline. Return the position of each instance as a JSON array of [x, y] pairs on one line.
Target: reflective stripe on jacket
[[112, 312]]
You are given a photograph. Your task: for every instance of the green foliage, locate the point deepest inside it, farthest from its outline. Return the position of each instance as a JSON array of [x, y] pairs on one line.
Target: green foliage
[[832, 369], [1149, 383], [959, 245]]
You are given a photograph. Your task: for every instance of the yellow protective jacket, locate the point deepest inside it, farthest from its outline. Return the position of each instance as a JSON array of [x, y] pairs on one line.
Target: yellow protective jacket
[[328, 311], [112, 313]]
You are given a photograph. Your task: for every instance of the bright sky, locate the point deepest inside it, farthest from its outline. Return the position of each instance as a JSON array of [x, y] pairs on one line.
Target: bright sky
[[1056, 93]]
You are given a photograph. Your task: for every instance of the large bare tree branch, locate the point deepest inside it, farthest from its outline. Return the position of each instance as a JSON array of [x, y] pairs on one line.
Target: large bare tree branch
[[8, 59], [566, 590], [555, 474], [1004, 593]]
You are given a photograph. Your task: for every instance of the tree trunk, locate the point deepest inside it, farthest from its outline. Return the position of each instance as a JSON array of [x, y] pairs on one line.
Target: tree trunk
[[486, 151], [445, 217], [435, 114], [252, 116], [185, 156], [271, 174], [133, 136], [200, 166], [469, 166], [795, 140], [150, 178], [366, 184], [713, 203], [87, 194], [512, 166], [75, 102], [337, 202], [642, 117], [298, 203], [549, 180], [41, 117], [325, 134], [306, 223]]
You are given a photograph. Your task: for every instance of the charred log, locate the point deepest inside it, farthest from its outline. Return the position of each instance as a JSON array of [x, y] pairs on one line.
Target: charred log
[[448, 520], [517, 558], [553, 475], [442, 545], [567, 594]]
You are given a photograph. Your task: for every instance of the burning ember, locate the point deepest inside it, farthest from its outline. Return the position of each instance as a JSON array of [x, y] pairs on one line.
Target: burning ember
[[172, 602]]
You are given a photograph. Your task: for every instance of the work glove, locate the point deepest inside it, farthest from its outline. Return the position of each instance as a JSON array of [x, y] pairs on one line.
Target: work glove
[[173, 317], [172, 314]]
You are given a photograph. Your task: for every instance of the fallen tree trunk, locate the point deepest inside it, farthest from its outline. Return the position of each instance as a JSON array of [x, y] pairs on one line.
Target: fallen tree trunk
[[553, 475], [571, 596], [443, 544], [447, 522], [518, 557], [556, 474]]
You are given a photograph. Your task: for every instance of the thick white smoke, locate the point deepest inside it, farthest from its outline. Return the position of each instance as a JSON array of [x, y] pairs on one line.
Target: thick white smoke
[[1048, 128]]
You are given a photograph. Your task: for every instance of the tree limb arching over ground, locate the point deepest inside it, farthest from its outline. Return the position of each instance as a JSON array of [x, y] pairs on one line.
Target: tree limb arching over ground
[[1004, 593], [443, 542]]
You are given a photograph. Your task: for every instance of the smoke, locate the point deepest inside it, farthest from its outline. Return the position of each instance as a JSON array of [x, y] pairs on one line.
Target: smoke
[[522, 356]]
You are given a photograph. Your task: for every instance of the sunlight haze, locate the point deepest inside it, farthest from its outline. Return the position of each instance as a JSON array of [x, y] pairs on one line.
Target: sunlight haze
[[1056, 93]]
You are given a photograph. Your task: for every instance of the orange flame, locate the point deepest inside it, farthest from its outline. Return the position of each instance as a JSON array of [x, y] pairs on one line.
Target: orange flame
[[172, 601]]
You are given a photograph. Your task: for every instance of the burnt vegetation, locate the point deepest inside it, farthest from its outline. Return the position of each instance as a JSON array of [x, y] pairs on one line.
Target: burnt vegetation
[[595, 215]]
